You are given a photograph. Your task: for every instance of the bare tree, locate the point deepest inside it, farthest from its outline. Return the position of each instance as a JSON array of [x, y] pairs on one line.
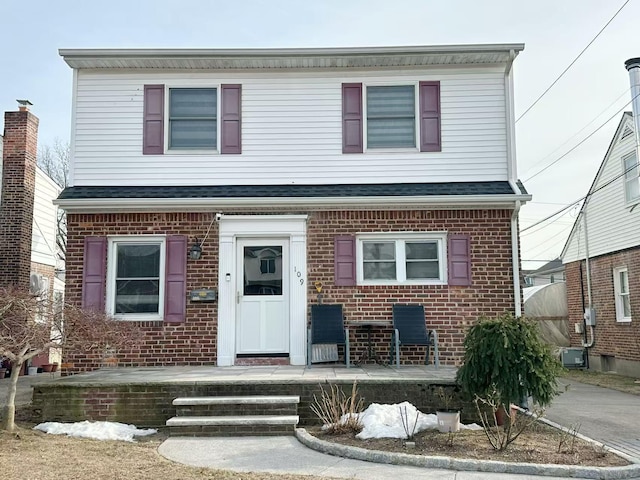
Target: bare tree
[[54, 161], [29, 326]]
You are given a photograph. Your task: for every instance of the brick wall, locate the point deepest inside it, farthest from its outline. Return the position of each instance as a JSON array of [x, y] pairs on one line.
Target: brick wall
[[450, 310], [618, 339], [16, 203]]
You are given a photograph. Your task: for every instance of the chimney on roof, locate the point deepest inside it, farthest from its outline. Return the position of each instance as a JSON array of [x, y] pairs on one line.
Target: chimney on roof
[[17, 195], [24, 105], [633, 67]]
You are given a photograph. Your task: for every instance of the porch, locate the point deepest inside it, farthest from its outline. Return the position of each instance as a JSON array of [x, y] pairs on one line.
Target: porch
[[144, 396]]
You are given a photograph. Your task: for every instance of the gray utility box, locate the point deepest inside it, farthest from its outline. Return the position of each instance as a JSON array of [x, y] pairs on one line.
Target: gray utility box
[[572, 357]]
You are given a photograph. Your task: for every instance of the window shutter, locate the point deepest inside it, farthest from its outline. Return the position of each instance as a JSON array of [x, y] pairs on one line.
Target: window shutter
[[153, 122], [352, 118], [231, 127], [175, 290], [459, 252], [345, 260], [430, 117], [94, 273]]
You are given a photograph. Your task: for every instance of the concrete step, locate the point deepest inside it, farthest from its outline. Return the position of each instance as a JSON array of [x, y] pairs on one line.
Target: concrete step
[[244, 400], [233, 425], [236, 406]]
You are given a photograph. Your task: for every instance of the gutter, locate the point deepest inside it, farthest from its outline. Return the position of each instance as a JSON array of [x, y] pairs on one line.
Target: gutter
[[515, 260], [98, 205]]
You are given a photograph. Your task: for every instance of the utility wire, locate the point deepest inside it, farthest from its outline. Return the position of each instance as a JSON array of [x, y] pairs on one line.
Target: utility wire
[[574, 61], [635, 165], [580, 142]]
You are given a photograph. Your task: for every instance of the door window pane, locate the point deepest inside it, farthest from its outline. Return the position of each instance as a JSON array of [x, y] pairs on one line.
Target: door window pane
[[263, 270]]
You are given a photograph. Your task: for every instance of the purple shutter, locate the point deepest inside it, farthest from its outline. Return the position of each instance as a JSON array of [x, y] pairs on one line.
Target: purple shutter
[[94, 273], [345, 260], [153, 122], [231, 128], [352, 118], [175, 282], [430, 117], [459, 252]]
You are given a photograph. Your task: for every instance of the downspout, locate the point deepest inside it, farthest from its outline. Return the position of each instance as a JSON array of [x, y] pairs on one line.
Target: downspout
[[512, 176], [590, 310]]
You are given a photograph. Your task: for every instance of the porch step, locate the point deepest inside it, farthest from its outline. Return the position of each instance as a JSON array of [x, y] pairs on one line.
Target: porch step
[[238, 415]]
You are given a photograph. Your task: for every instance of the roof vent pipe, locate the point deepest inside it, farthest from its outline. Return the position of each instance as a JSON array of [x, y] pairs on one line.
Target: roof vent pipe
[[633, 66]]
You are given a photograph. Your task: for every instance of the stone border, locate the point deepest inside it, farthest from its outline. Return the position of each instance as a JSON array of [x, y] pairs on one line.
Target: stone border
[[376, 456]]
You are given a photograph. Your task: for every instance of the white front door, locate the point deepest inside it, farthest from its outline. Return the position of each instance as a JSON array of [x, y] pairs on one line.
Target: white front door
[[262, 296]]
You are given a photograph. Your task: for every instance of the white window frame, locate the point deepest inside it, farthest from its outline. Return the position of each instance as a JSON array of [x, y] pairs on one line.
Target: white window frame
[[192, 151], [365, 136], [626, 181], [400, 238], [111, 276], [618, 294]]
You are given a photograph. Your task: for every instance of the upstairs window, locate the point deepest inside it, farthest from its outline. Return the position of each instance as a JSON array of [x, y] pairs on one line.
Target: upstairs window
[[193, 118], [621, 291], [391, 117], [631, 178]]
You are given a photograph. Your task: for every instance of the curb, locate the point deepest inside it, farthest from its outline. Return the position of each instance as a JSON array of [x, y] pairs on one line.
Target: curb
[[376, 456]]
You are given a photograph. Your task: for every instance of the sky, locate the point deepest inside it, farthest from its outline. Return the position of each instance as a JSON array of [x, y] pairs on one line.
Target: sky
[[554, 33]]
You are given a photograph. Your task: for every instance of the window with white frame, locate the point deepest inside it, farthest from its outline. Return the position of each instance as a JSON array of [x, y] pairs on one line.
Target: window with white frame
[[193, 118], [135, 276], [391, 116], [631, 178], [387, 259], [621, 291]]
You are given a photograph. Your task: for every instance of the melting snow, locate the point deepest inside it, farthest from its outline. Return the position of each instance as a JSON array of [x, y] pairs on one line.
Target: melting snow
[[96, 430]]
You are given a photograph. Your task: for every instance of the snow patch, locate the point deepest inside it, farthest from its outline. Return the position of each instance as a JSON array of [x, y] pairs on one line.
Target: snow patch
[[385, 421], [95, 430]]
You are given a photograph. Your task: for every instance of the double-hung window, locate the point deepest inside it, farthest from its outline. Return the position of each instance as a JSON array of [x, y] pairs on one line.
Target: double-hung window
[[631, 178], [621, 291], [401, 259], [135, 277], [193, 118], [391, 116]]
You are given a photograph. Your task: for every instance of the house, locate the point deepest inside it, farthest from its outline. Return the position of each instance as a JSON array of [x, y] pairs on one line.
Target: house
[[28, 218], [550, 272], [216, 194], [602, 253]]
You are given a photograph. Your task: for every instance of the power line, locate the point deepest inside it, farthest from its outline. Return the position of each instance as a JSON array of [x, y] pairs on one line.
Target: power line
[[580, 142], [574, 61]]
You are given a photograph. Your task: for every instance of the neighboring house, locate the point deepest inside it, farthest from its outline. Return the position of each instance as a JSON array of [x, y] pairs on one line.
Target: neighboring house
[[607, 233], [215, 194], [550, 272], [28, 217]]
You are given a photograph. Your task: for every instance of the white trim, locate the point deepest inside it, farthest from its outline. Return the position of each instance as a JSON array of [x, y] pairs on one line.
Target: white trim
[[74, 129], [294, 229], [201, 85], [617, 292], [111, 272], [400, 239], [99, 205]]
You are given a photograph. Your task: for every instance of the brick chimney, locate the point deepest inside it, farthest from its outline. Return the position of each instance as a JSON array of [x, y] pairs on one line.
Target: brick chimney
[[16, 199]]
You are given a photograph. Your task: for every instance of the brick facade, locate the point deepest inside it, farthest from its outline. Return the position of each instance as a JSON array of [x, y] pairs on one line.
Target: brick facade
[[450, 310], [18, 189], [620, 340]]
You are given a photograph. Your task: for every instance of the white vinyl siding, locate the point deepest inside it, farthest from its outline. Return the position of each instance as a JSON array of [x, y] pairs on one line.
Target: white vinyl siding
[[621, 291], [291, 130], [631, 178], [612, 223], [45, 216]]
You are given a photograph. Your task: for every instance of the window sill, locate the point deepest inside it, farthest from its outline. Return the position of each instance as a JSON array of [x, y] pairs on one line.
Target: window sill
[[623, 320], [138, 318], [363, 283], [394, 150], [171, 151]]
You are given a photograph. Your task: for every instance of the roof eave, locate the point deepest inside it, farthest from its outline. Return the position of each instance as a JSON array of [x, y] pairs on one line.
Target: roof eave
[[97, 205]]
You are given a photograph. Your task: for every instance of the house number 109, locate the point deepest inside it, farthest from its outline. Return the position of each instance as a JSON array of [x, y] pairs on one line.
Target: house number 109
[[299, 275]]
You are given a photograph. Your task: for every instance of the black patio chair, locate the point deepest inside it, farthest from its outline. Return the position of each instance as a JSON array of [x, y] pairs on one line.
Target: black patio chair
[[409, 328], [327, 326]]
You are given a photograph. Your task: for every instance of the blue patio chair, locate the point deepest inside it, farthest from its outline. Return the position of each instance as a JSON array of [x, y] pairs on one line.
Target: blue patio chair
[[327, 326], [409, 328]]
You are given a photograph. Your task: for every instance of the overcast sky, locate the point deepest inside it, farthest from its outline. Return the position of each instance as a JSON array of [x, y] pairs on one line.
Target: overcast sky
[[553, 31]]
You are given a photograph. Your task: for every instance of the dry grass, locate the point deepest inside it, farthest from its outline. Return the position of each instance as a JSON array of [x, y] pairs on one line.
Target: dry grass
[[538, 444], [33, 455], [607, 380]]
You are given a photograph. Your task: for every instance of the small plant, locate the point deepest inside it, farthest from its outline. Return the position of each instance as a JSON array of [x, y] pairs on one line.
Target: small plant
[[409, 430], [447, 400], [567, 438], [337, 411]]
